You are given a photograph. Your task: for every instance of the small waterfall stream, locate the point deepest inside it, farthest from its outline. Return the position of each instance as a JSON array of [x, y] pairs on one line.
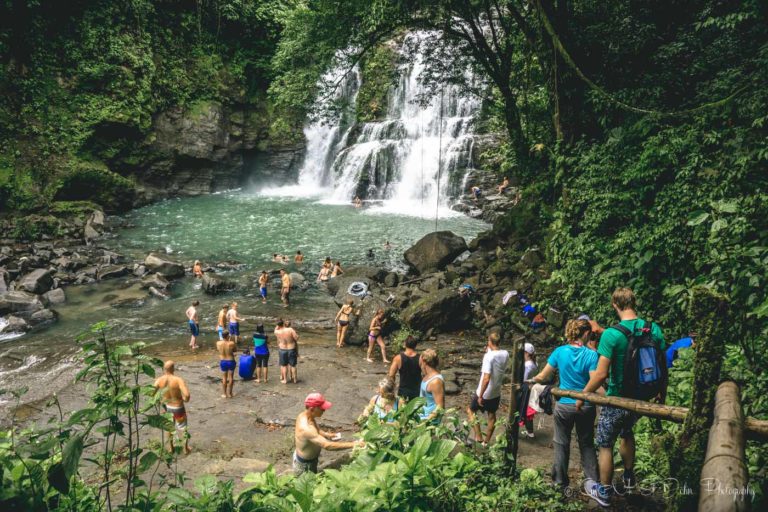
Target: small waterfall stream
[[393, 162]]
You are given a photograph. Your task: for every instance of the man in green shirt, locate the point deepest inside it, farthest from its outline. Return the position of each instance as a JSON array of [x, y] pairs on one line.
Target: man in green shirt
[[615, 422]]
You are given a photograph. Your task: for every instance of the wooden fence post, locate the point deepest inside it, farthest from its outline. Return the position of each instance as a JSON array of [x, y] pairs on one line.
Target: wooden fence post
[[723, 474], [513, 428]]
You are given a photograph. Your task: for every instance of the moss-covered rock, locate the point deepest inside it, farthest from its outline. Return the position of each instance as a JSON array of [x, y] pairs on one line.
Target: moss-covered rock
[[93, 181]]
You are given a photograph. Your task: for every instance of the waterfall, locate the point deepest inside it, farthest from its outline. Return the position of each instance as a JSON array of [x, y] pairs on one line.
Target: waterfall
[[393, 163]]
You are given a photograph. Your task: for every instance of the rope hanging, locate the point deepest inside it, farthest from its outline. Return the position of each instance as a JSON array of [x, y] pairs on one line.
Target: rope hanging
[[439, 156], [421, 126], [610, 97]]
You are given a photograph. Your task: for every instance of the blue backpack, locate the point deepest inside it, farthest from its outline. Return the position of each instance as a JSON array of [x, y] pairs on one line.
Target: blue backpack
[[645, 368]]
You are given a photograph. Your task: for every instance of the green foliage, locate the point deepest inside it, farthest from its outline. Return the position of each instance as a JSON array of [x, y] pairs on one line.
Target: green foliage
[[378, 72], [88, 181]]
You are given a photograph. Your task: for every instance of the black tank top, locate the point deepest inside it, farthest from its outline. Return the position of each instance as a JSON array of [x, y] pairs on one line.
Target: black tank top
[[410, 375]]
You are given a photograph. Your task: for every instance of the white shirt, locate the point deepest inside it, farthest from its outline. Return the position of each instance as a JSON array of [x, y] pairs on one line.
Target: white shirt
[[494, 364], [530, 370]]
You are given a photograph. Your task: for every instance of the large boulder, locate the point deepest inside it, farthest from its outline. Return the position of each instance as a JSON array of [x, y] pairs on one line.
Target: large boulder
[[55, 297], [12, 324], [44, 316], [155, 280], [357, 333], [369, 272], [338, 286], [214, 284], [19, 302], [444, 310], [434, 251], [38, 281], [166, 267]]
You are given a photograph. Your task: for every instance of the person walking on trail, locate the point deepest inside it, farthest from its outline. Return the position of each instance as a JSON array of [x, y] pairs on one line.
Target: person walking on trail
[[263, 282], [406, 365], [226, 350], [383, 404], [261, 353], [530, 369], [432, 387], [374, 336], [175, 395], [342, 322], [682, 343], [285, 288], [288, 350], [194, 325], [234, 323], [613, 421], [576, 363], [221, 321], [310, 439], [488, 394]]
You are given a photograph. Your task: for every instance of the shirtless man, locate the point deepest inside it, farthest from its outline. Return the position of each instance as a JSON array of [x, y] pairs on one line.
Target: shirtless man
[[310, 439], [234, 322], [194, 326], [299, 258], [221, 321], [504, 185], [285, 290], [287, 343], [263, 282], [175, 393], [226, 349]]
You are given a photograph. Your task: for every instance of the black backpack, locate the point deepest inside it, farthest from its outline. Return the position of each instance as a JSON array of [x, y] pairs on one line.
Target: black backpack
[[645, 366]]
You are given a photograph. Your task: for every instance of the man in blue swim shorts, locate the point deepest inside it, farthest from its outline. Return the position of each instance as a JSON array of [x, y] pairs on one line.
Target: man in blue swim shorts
[[226, 349], [194, 326], [234, 322], [263, 281]]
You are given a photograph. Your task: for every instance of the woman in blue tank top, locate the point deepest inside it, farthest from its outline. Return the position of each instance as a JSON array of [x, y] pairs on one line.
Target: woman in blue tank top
[[432, 386], [384, 404]]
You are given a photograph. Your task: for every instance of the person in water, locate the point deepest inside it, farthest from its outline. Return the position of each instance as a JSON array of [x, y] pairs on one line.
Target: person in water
[[221, 321], [358, 202], [371, 254], [406, 365], [285, 288], [310, 439], [288, 345], [175, 395], [226, 350], [342, 322], [324, 275], [197, 269], [337, 270], [263, 282], [299, 258], [384, 403], [387, 246], [261, 353], [234, 322], [374, 336], [432, 386], [194, 326]]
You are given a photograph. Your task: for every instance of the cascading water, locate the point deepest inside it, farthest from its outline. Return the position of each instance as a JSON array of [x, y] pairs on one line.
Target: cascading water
[[412, 162]]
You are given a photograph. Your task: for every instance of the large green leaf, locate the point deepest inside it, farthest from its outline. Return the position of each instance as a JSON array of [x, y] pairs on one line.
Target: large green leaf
[[697, 218], [70, 455]]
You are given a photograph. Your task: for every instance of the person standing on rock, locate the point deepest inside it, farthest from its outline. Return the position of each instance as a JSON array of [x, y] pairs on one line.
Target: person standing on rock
[[288, 350], [432, 386], [226, 349], [374, 336], [488, 394], [285, 288], [221, 321], [310, 439], [406, 364], [194, 326], [263, 282], [197, 269], [175, 395], [234, 323], [342, 322], [261, 352], [324, 274]]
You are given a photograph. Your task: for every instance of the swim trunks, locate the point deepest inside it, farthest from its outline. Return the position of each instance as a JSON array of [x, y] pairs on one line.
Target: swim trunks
[[343, 323], [234, 329], [227, 365], [302, 465], [179, 415], [289, 357], [262, 360], [194, 327], [263, 292]]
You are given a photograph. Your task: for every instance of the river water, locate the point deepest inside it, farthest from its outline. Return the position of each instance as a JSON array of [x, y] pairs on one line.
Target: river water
[[239, 226]]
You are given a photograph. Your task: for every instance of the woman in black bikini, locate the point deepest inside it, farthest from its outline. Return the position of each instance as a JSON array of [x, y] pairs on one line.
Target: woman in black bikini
[[374, 336], [342, 322]]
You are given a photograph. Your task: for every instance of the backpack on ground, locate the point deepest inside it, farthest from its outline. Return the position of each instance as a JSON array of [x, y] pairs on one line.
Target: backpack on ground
[[645, 367]]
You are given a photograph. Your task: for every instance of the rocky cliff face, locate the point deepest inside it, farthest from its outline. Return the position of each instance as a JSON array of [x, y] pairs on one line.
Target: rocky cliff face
[[211, 147]]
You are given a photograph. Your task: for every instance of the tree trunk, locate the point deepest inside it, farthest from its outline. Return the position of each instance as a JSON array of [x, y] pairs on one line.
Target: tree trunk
[[514, 127], [513, 427]]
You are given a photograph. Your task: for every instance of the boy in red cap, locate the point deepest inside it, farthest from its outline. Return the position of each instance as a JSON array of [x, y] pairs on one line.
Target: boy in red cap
[[310, 439]]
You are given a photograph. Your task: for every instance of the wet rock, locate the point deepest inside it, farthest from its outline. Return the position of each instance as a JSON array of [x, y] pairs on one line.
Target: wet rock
[[155, 280], [432, 284], [38, 282], [391, 280], [297, 280], [14, 324], [113, 272], [169, 269], [19, 302], [139, 270], [434, 251], [110, 258], [214, 284], [444, 310], [55, 296], [532, 258], [93, 226], [369, 272], [4, 280], [338, 286], [159, 293], [44, 316]]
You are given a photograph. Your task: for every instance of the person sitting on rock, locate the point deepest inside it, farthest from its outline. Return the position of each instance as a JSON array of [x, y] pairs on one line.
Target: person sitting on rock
[[197, 269], [504, 185], [476, 193]]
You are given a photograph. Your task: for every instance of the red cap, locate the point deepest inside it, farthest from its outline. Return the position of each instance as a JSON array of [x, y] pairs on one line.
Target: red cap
[[317, 400]]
